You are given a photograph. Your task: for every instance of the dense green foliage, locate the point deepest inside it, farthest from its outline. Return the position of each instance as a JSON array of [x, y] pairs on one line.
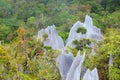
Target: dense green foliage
[[36, 14], [81, 44], [26, 60], [22, 57], [82, 30]]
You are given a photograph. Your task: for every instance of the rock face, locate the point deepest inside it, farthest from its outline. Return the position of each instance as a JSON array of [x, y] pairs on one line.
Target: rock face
[[111, 60], [75, 69], [64, 62], [69, 67], [92, 32], [0, 42], [73, 32], [91, 75], [50, 37]]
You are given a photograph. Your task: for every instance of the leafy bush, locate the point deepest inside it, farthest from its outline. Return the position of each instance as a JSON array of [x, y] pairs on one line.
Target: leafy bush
[[31, 64], [81, 44], [82, 30], [4, 32]]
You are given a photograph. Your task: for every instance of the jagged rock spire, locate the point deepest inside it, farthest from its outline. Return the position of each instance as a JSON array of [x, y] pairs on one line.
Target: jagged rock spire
[[50, 37]]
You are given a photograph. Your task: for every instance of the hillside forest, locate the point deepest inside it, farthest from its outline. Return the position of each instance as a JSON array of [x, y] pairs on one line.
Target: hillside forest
[[24, 57]]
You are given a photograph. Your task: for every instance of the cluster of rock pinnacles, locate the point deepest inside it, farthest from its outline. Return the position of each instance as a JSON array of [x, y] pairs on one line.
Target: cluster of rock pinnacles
[[70, 67]]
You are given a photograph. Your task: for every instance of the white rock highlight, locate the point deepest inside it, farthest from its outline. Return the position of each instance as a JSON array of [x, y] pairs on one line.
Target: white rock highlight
[[92, 32], [75, 69], [64, 62], [91, 75], [52, 39]]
